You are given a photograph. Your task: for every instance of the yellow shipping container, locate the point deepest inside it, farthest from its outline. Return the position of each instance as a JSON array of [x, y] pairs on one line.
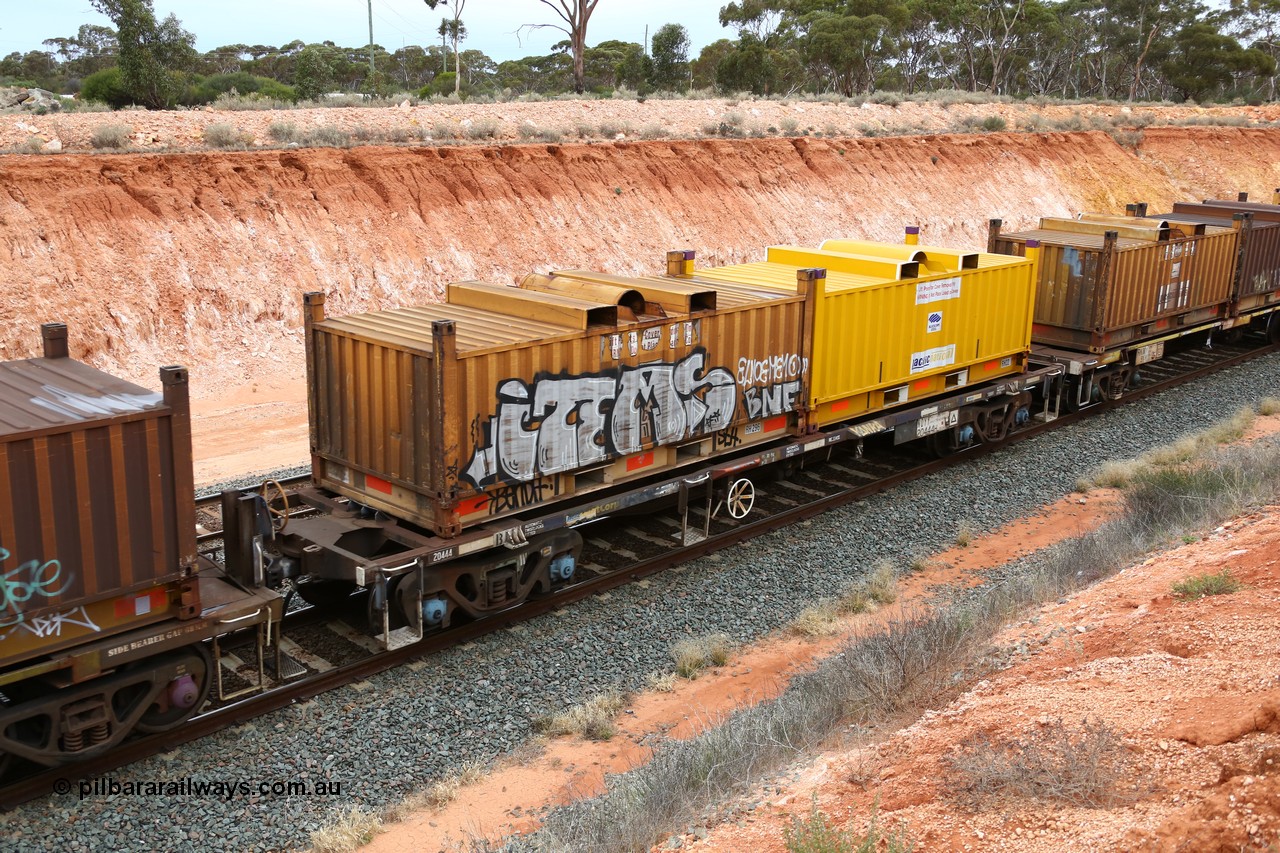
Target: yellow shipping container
[[901, 323]]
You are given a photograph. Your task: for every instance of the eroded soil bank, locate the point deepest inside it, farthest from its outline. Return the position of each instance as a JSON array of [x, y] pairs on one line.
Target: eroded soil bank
[[202, 258]]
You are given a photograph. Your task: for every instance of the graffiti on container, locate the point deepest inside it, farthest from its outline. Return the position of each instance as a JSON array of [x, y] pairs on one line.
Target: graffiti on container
[[30, 580], [771, 370], [770, 400], [771, 385], [519, 495], [50, 625], [727, 438], [562, 423]]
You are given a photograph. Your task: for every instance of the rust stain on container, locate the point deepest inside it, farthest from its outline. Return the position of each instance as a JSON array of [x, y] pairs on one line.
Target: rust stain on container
[[1259, 224], [96, 501], [506, 398]]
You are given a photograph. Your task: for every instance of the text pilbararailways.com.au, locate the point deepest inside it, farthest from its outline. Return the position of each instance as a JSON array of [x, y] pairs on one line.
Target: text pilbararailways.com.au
[[224, 789]]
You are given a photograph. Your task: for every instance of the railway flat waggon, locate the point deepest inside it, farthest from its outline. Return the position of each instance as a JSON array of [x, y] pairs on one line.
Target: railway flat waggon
[[1114, 292], [1111, 281], [503, 399], [104, 602], [1257, 282]]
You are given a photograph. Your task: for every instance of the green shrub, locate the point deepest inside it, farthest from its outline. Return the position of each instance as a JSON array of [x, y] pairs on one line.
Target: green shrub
[[105, 87], [441, 84], [994, 124], [891, 99], [814, 834], [1199, 586]]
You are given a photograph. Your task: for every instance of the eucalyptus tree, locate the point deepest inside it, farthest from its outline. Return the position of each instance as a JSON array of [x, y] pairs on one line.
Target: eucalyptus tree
[[455, 31], [575, 15], [149, 50]]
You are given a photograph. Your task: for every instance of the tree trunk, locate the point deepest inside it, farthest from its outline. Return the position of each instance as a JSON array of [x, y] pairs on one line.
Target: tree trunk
[[579, 62], [1142, 57]]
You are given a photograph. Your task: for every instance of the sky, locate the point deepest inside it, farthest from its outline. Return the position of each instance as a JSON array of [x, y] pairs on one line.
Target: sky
[[491, 24]]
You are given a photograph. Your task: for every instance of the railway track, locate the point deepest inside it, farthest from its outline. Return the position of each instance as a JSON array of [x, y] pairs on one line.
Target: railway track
[[329, 649]]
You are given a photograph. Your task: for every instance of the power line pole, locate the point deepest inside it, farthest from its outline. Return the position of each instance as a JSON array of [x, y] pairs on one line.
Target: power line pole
[[372, 70]]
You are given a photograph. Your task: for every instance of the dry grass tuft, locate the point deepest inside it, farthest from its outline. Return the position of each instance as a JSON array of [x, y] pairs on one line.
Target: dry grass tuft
[[820, 620], [882, 585], [436, 796], [111, 136], [1080, 768], [351, 830], [1120, 473], [964, 534], [920, 563], [854, 601], [1269, 406], [662, 682], [592, 719], [222, 135], [697, 653]]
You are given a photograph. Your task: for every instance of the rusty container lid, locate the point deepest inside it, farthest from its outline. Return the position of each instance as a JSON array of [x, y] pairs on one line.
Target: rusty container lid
[[53, 395]]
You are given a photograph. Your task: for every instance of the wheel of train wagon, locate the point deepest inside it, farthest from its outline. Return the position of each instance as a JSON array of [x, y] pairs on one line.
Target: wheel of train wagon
[[740, 498], [184, 695], [1273, 327], [325, 594]]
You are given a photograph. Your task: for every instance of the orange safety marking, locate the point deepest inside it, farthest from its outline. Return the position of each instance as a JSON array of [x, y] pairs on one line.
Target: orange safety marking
[[643, 460]]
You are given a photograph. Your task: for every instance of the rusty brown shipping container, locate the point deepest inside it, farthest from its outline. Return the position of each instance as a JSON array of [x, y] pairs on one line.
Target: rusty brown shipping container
[[507, 398], [1258, 278], [97, 513], [1108, 281]]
